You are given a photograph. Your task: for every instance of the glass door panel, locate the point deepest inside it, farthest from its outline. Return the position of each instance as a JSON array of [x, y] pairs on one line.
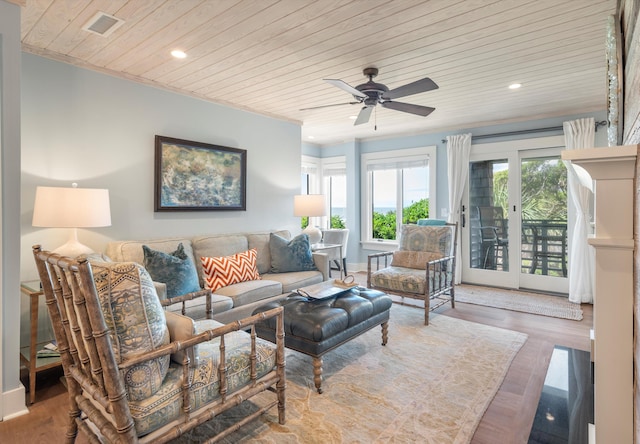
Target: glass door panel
[[488, 215], [543, 214], [514, 233]]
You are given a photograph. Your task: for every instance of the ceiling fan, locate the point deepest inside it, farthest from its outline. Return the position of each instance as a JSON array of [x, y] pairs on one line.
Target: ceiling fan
[[371, 93]]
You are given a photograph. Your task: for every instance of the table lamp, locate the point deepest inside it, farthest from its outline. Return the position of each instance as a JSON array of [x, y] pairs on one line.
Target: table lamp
[[57, 207], [310, 205]]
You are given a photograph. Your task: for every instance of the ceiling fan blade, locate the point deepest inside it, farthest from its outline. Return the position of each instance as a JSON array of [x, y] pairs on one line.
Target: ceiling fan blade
[[409, 108], [364, 115], [346, 87], [327, 106], [409, 89]]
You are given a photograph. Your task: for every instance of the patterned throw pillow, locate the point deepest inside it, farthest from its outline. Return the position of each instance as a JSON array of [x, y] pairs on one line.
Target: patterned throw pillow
[[413, 259], [293, 255], [223, 271], [175, 269], [419, 238], [136, 323]]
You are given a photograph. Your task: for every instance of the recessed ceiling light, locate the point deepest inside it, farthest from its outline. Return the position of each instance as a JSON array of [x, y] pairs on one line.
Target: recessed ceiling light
[[178, 54], [353, 117], [311, 137], [515, 85]]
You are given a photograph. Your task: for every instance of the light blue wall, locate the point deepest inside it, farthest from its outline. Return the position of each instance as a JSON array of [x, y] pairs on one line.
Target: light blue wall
[[352, 151], [12, 400], [97, 130]]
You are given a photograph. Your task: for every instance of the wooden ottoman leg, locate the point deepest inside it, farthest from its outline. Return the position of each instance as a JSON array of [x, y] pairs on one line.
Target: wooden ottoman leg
[[317, 373], [385, 331]]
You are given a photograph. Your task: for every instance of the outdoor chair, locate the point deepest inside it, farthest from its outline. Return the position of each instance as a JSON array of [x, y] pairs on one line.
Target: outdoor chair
[[136, 373], [422, 268], [494, 237]]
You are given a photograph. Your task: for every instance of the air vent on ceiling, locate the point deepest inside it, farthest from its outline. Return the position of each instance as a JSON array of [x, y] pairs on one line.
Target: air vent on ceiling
[[103, 24]]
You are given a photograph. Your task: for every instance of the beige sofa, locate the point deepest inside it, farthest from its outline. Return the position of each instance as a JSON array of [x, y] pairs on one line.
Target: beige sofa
[[234, 301]]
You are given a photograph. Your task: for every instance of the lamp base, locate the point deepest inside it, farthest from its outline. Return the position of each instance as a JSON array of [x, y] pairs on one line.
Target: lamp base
[[72, 248], [314, 233]]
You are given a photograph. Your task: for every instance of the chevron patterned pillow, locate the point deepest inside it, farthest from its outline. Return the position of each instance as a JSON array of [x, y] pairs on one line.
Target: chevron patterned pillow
[[227, 270]]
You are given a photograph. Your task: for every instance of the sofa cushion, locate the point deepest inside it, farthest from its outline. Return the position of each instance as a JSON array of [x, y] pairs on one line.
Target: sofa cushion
[[260, 241], [136, 322], [294, 280], [197, 308], [217, 245], [222, 271], [413, 259], [131, 251], [175, 269], [246, 292], [290, 255]]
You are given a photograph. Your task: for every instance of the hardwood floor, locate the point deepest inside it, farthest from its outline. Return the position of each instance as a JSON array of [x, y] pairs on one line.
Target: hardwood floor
[[507, 420]]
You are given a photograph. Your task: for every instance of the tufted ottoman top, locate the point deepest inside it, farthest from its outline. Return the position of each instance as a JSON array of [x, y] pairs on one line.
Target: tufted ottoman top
[[319, 320]]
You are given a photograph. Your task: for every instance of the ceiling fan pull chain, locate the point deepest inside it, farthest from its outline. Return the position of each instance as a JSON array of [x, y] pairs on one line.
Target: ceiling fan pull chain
[[375, 119]]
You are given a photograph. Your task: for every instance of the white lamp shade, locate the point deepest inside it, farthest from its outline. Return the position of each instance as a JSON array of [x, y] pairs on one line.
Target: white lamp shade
[[310, 205], [57, 207]]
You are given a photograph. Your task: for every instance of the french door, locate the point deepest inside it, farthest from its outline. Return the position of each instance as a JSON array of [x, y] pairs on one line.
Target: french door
[[515, 218]]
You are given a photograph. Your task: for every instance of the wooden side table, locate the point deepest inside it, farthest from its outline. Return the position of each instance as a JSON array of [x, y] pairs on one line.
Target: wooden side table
[[28, 353]]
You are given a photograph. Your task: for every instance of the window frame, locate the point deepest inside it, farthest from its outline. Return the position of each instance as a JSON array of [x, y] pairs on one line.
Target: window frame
[[329, 163], [428, 153]]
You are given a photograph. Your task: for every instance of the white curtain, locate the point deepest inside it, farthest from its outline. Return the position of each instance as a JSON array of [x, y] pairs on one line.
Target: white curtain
[[580, 134], [458, 152]]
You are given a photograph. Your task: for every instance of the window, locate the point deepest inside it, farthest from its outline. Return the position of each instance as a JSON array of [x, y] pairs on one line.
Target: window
[[334, 186], [400, 182], [309, 182]]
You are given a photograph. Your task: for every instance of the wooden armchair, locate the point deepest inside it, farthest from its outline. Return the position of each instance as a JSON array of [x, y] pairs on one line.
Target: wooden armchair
[[422, 268], [136, 373]]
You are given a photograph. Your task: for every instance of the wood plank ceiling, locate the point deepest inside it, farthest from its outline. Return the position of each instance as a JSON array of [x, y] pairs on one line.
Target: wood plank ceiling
[[270, 56]]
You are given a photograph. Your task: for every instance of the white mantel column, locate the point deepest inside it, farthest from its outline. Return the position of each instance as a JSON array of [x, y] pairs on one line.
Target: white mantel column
[[613, 170]]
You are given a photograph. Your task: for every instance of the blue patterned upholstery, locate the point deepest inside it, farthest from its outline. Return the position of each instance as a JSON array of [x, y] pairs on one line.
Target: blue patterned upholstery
[[422, 268], [167, 403], [136, 322]]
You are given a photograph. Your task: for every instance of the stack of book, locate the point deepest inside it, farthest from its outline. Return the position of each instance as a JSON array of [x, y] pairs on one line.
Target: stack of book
[[50, 350]]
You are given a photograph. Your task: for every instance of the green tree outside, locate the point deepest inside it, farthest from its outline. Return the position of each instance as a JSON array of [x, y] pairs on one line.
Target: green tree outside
[[384, 225], [544, 190], [337, 222]]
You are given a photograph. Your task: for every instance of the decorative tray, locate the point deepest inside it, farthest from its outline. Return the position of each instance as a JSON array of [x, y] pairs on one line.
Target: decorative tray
[[324, 290]]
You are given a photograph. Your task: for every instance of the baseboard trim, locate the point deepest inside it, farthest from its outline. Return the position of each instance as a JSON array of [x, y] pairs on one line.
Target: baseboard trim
[[13, 403]]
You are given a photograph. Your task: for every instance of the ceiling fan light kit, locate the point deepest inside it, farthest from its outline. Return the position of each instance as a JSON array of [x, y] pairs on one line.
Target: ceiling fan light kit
[[371, 94]]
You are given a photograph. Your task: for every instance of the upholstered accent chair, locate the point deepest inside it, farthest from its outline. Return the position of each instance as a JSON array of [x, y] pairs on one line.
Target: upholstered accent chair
[[336, 236], [136, 373], [422, 268]]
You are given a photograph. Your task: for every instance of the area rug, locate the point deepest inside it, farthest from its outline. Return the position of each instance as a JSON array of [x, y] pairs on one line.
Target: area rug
[[540, 304], [429, 384]]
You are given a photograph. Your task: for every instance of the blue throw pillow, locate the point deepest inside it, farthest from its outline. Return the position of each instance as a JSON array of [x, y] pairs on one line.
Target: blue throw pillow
[[175, 269], [293, 255]]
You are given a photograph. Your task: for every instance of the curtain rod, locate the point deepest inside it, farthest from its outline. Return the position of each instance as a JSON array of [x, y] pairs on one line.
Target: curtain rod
[[529, 131]]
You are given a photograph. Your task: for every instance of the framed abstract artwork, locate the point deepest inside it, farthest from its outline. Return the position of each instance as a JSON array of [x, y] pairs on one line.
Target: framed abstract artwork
[[196, 176]]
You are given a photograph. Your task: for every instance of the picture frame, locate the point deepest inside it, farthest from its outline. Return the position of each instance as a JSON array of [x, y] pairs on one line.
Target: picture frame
[[197, 176]]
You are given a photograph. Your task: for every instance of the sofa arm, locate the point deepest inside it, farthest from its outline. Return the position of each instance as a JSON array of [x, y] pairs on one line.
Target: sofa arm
[[161, 290], [322, 263]]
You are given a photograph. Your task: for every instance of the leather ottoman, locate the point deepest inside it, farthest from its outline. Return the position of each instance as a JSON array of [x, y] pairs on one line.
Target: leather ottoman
[[316, 326]]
